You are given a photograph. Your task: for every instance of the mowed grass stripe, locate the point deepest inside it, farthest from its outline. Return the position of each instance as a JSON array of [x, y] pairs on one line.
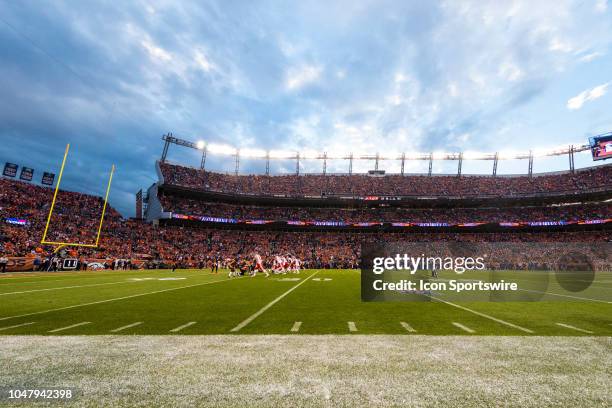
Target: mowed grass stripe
[[114, 299], [269, 305]]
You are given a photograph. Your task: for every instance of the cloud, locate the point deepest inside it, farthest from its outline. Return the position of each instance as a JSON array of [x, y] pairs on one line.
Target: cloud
[[591, 56], [585, 96], [112, 79], [155, 51], [299, 77]]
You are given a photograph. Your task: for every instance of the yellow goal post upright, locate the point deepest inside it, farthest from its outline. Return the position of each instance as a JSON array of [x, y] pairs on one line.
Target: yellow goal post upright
[[60, 245]]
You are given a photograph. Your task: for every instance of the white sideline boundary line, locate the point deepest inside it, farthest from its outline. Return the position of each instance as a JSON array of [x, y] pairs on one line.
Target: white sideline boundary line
[[153, 279], [128, 326], [352, 327], [567, 326], [15, 326], [269, 305], [63, 287], [464, 328], [486, 316], [113, 299], [408, 327], [296, 327], [178, 329], [68, 327]]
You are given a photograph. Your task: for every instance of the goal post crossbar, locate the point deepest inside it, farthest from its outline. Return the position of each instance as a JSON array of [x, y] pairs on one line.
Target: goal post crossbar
[[57, 186]]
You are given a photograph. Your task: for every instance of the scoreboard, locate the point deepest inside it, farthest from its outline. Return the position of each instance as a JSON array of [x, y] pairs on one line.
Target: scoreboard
[[601, 146]]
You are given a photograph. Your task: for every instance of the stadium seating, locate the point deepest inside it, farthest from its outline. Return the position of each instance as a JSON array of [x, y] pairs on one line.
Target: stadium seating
[[198, 207], [76, 216], [391, 185]]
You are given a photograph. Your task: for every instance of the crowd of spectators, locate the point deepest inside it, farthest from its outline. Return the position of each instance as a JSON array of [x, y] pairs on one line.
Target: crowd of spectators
[[390, 185], [76, 217], [189, 206]]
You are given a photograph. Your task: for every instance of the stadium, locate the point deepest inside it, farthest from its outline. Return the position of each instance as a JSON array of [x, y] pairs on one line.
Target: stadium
[[342, 264]]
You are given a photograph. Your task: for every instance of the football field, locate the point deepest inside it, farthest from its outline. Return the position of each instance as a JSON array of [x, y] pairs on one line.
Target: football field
[[192, 302]]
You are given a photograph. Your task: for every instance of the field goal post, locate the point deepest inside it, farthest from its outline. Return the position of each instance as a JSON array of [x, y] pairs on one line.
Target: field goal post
[[60, 245]]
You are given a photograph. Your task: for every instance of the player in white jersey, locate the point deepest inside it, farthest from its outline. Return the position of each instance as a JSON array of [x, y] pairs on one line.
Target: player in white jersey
[[278, 265], [296, 265], [259, 266]]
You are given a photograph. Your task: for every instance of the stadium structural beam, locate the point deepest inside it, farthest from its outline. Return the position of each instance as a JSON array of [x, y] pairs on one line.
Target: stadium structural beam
[[530, 163], [267, 163], [571, 158], [203, 161], [324, 163], [237, 169], [166, 139], [459, 164], [495, 160], [350, 164], [297, 163], [403, 161], [430, 164], [376, 162]]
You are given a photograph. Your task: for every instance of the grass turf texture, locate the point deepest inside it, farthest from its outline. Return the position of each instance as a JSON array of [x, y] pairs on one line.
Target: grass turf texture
[[325, 301], [312, 371]]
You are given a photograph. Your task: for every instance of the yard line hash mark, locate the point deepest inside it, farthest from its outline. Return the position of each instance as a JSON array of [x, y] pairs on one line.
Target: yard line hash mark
[[486, 316], [408, 327], [352, 327], [296, 327], [118, 329], [69, 327], [567, 326], [269, 305], [178, 329], [464, 328], [15, 326]]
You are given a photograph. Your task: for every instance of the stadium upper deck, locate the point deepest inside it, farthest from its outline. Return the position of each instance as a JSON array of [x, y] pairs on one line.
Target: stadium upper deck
[[584, 180]]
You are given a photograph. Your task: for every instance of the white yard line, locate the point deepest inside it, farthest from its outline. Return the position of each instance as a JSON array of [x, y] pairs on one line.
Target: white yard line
[[352, 327], [464, 328], [296, 327], [69, 327], [567, 296], [269, 305], [567, 326], [113, 299], [118, 329], [486, 316], [17, 325], [545, 293], [178, 329], [408, 327]]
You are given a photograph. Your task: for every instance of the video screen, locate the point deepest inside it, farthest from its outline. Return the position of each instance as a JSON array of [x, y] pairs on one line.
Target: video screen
[[601, 147]]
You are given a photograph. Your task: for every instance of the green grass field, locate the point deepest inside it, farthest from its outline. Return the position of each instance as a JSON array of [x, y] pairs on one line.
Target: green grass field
[[190, 302]]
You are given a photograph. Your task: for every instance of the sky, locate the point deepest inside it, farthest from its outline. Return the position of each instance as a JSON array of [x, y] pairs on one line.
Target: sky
[[111, 78]]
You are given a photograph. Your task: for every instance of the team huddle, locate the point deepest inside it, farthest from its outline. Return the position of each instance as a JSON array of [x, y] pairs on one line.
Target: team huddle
[[251, 265]]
